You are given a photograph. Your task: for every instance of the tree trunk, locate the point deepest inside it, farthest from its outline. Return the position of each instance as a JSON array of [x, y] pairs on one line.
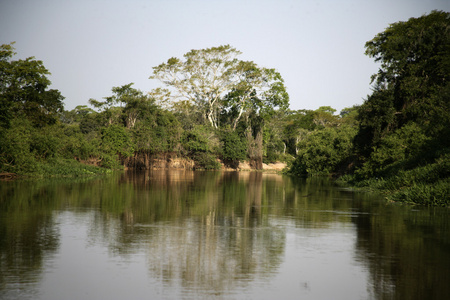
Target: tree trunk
[[255, 148]]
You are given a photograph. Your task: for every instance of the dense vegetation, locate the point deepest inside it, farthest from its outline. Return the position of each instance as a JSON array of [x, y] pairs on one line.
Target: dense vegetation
[[403, 143], [214, 108]]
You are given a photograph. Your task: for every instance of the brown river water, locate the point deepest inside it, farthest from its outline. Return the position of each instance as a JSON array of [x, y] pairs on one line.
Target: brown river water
[[216, 235]]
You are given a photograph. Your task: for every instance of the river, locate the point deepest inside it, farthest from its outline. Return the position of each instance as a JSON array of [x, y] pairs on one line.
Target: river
[[216, 235]]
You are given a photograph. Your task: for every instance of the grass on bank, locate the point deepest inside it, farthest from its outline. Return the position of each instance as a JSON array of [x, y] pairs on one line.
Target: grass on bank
[[70, 167], [424, 185], [59, 167]]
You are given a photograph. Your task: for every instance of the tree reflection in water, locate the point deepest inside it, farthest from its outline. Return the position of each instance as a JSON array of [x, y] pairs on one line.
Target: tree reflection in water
[[217, 236], [208, 233]]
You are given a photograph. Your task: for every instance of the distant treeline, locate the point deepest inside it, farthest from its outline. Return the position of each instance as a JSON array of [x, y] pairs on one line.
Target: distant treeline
[[215, 110]]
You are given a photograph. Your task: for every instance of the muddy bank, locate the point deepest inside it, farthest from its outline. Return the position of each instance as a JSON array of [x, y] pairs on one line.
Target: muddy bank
[[147, 161]]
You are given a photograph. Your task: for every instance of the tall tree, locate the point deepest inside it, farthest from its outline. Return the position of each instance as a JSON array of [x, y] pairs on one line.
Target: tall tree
[[256, 89], [203, 77], [24, 90], [324, 117], [412, 83], [214, 80], [298, 125], [127, 103]]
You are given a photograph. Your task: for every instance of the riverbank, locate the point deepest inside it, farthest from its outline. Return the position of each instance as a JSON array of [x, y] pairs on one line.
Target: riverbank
[[427, 185], [77, 168]]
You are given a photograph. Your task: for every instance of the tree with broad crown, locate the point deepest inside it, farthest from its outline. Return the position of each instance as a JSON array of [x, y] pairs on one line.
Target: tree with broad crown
[[132, 104], [23, 90], [412, 83], [214, 80]]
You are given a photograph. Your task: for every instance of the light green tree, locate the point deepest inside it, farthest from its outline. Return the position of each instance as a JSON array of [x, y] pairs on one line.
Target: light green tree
[[215, 81]]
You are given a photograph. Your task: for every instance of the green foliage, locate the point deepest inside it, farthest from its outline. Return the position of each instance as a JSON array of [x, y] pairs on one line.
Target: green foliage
[[46, 151], [273, 144], [16, 152], [424, 185], [91, 122], [78, 145], [413, 81], [23, 90], [158, 132], [68, 167], [349, 116], [200, 144], [296, 125], [217, 84], [205, 160], [402, 138], [413, 56], [321, 152], [116, 139], [47, 142], [405, 143], [257, 91], [234, 147], [326, 109], [187, 114], [151, 129], [324, 117], [33, 142], [433, 194], [376, 118], [196, 140]]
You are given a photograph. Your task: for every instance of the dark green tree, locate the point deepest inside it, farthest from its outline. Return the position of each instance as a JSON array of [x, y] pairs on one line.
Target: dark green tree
[[412, 84], [115, 141], [24, 90], [297, 125], [323, 151], [404, 124], [200, 144], [234, 147]]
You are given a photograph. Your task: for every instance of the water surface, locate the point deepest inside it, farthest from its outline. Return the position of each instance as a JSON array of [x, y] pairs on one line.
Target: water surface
[[216, 235]]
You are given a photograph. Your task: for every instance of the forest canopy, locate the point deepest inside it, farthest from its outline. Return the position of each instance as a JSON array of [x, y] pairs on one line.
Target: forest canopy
[[214, 111]]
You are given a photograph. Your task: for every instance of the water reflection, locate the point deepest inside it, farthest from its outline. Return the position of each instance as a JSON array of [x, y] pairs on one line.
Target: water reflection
[[406, 250], [204, 229], [216, 234]]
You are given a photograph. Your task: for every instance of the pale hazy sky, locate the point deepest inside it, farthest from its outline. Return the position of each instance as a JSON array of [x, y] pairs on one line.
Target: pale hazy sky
[[316, 45]]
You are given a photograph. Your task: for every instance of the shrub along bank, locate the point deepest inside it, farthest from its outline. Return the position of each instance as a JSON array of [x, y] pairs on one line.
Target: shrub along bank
[[401, 145], [396, 141]]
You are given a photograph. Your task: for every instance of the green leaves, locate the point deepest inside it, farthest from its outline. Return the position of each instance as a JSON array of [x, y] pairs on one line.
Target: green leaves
[[200, 143], [217, 83], [414, 76], [404, 123], [23, 90], [234, 147], [321, 151], [115, 139]]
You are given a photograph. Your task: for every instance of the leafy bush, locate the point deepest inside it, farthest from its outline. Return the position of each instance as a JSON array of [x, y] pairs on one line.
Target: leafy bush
[[109, 161], [15, 148], [430, 194], [199, 144], [323, 150], [68, 167], [207, 161], [195, 142], [200, 139], [272, 144], [424, 185], [405, 143], [234, 146], [115, 139]]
